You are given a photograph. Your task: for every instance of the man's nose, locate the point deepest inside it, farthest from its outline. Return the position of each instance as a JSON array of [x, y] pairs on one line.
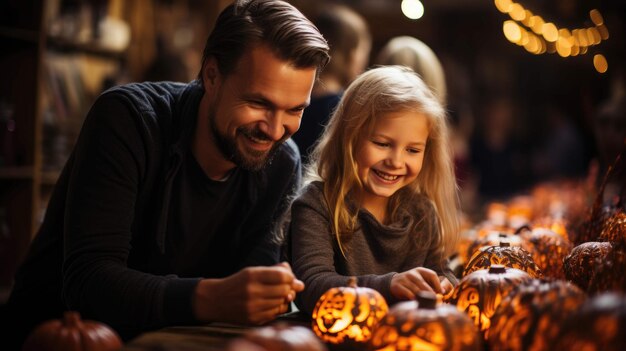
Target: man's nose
[[274, 125]]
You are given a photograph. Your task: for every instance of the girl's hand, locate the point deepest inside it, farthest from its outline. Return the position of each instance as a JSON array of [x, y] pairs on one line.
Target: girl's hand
[[405, 285], [446, 286]]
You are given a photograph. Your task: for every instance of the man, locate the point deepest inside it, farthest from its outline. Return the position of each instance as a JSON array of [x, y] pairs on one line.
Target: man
[[168, 208]]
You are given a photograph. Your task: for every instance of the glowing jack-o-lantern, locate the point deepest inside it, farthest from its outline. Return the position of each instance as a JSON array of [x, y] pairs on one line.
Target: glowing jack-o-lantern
[[479, 293], [503, 254], [598, 325], [348, 315], [530, 316], [425, 325]]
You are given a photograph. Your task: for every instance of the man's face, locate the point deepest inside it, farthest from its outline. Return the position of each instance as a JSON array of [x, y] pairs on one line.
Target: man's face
[[257, 107]]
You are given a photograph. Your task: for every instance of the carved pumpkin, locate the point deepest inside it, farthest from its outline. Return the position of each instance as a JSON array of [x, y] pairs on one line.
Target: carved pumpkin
[[279, 337], [530, 316], [548, 250], [425, 325], [348, 314], [598, 325], [610, 273], [614, 228], [479, 293], [580, 265], [490, 239], [503, 254], [72, 333]]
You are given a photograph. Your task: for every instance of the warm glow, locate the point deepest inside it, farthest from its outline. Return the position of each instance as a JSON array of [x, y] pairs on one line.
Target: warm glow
[[596, 17], [604, 32], [512, 31], [503, 6], [348, 314], [538, 23], [517, 12], [550, 33], [595, 34], [533, 45], [563, 47], [599, 62], [412, 9]]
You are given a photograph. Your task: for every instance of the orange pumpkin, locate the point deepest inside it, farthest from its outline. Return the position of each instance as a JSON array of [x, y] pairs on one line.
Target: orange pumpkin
[[598, 325], [479, 293], [580, 265], [548, 250], [506, 255], [425, 325], [348, 315], [530, 316], [72, 333]]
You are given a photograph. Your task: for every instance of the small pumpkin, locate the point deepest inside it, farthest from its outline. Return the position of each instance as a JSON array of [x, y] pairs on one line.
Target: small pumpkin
[[530, 316], [479, 293], [72, 333], [506, 255], [548, 250], [598, 325], [348, 315], [610, 273], [580, 265], [425, 325], [279, 337]]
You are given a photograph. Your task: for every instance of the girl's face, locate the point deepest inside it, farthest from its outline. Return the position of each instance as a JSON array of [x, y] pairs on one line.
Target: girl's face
[[392, 156]]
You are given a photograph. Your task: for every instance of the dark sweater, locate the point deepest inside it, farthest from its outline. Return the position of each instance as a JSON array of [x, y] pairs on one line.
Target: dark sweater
[[112, 245], [374, 253]]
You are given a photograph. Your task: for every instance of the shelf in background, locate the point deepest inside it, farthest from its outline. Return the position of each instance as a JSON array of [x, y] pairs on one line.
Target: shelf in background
[[16, 173], [64, 45], [19, 34]]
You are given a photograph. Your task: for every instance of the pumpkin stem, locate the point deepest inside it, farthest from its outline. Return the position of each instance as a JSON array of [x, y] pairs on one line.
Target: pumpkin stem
[[497, 268], [71, 318], [352, 282]]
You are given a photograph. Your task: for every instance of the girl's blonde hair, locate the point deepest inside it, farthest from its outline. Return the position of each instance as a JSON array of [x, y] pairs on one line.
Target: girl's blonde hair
[[373, 94]]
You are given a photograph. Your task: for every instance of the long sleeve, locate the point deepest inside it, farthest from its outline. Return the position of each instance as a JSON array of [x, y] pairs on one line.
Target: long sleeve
[[315, 258], [108, 166]]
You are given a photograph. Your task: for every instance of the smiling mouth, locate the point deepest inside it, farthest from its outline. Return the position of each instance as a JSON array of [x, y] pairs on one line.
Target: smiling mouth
[[257, 138], [386, 176]]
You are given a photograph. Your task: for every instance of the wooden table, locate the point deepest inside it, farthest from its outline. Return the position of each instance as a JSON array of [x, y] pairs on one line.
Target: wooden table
[[209, 337]]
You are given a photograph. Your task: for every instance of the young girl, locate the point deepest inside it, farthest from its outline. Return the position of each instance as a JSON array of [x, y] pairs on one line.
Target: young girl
[[381, 201]]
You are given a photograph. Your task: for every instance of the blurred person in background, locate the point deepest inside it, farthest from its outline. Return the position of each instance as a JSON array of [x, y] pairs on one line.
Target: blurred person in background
[[350, 43]]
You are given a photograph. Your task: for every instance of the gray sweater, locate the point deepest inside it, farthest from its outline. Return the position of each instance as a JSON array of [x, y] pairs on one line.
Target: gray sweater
[[374, 253]]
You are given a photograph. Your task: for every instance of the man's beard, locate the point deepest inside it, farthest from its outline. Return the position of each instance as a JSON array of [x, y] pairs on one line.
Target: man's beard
[[251, 160]]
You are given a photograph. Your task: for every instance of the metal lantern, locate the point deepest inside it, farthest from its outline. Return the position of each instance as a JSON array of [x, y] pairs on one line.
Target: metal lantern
[[479, 293], [503, 254], [348, 314], [548, 250], [598, 325], [425, 325], [579, 266], [529, 318]]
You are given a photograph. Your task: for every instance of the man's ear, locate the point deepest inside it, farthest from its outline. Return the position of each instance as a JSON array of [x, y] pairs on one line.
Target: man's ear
[[210, 73]]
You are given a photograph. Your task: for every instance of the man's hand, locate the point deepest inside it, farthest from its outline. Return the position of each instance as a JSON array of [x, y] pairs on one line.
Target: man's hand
[[405, 285], [254, 295]]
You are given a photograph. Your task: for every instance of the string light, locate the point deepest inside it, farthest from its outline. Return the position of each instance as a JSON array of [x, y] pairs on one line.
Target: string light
[[412, 9], [539, 36]]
